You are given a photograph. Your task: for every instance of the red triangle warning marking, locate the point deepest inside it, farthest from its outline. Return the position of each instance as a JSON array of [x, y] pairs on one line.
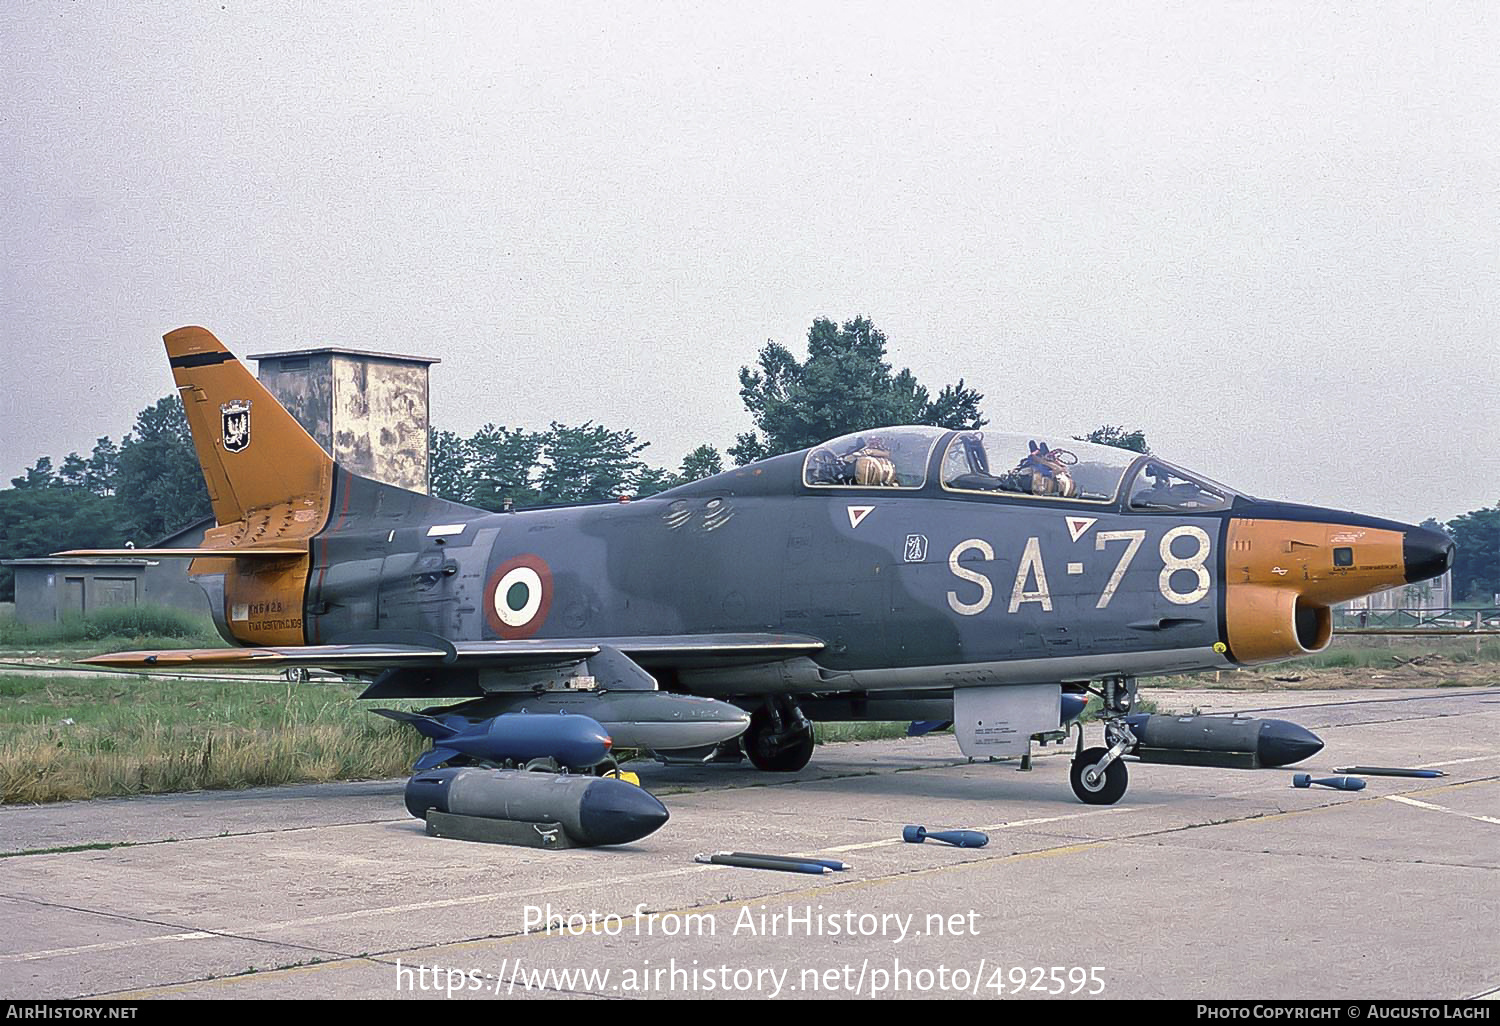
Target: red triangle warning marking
[[858, 513], [1078, 525]]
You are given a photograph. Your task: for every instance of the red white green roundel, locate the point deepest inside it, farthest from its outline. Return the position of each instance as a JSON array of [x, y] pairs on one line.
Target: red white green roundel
[[519, 593]]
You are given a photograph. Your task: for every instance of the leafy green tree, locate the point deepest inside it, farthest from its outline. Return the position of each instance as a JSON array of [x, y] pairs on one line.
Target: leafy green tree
[[844, 385], [39, 475], [1117, 436], [504, 463], [702, 462], [104, 464], [39, 521], [449, 472], [159, 483], [651, 480], [589, 463], [74, 471], [1476, 559]]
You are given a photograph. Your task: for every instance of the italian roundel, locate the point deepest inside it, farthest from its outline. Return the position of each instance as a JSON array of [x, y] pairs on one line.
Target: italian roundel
[[520, 593]]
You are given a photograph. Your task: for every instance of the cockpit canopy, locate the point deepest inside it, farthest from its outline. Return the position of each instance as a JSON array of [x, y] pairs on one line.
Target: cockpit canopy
[[990, 461], [1160, 486], [1004, 464], [981, 461], [891, 457]]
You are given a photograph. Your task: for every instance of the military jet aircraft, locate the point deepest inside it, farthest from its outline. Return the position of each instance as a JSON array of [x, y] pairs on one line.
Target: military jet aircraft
[[991, 571]]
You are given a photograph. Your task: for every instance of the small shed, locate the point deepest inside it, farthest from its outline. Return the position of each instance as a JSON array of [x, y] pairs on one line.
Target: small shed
[[52, 588]]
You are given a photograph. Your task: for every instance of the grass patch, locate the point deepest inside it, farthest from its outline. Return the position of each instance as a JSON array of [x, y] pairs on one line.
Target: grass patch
[[829, 733], [131, 735], [122, 627]]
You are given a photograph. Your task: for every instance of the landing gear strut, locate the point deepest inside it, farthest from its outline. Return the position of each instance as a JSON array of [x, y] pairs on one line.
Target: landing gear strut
[[1097, 775], [779, 738]]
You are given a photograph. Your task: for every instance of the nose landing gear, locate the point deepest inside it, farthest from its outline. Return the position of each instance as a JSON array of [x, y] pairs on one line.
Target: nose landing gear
[[1097, 774]]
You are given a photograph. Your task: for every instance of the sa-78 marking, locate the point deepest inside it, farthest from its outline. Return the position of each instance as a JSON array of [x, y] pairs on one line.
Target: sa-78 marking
[[1031, 574]]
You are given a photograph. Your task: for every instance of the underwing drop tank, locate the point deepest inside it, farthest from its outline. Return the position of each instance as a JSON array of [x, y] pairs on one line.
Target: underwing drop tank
[[1221, 741], [592, 811]]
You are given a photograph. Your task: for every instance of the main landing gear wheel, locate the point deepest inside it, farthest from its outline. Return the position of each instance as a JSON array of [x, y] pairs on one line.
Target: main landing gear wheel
[[1097, 775], [1094, 786], [778, 742]]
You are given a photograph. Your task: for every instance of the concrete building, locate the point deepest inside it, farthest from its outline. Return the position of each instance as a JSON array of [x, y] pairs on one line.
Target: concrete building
[[368, 410], [51, 588]]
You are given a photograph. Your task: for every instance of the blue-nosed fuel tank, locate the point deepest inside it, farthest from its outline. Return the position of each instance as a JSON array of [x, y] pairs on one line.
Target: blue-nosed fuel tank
[[570, 739], [655, 720], [592, 810], [1272, 742]]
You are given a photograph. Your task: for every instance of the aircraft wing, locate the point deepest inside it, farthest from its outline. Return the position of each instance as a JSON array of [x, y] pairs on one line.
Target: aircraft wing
[[247, 552], [696, 649]]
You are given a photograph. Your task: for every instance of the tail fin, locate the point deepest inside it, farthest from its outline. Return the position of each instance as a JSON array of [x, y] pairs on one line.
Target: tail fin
[[253, 452]]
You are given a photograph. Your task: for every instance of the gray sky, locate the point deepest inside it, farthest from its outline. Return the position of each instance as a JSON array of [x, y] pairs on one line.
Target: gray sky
[[1267, 234]]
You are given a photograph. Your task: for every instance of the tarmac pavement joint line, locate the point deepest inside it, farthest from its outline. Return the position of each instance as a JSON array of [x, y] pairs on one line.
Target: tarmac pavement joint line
[[185, 935], [1459, 762], [1012, 825], [1348, 802], [1440, 808], [339, 962], [1448, 693], [89, 847]]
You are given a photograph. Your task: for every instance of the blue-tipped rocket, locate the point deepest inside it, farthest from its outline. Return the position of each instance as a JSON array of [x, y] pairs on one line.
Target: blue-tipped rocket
[[1337, 783], [920, 728], [1220, 741], [957, 838], [592, 810], [572, 740], [1391, 771], [837, 865], [745, 860]]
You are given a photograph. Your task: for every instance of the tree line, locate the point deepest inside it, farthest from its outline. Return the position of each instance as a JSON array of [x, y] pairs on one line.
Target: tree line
[[149, 484]]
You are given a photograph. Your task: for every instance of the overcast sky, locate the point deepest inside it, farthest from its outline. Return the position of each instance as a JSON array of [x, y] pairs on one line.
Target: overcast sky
[[1268, 234]]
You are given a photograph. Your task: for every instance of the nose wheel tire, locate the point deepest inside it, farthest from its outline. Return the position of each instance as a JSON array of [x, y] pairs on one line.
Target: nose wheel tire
[[1098, 788]]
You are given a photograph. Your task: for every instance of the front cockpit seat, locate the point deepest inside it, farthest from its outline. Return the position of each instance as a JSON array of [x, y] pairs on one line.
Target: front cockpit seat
[[1049, 471]]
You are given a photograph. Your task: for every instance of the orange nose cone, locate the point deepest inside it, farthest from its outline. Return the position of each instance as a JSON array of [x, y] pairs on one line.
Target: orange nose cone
[[1283, 572]]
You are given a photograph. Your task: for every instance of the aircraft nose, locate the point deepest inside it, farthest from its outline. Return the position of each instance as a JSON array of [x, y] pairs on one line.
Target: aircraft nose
[[1426, 553]]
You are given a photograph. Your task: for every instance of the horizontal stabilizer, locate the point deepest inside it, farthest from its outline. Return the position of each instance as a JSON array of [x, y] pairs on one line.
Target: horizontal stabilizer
[[267, 552]]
